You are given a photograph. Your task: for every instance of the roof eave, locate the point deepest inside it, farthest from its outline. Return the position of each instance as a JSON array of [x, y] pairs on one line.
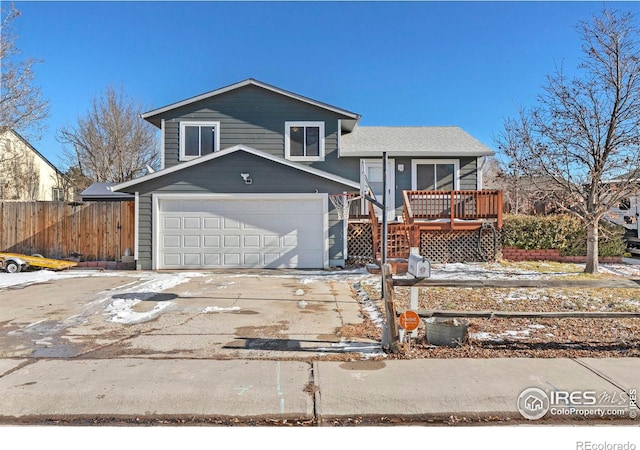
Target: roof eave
[[416, 154], [151, 116]]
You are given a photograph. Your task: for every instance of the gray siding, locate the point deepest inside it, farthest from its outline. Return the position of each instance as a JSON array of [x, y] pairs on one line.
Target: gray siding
[[222, 175], [145, 230], [468, 174], [251, 116]]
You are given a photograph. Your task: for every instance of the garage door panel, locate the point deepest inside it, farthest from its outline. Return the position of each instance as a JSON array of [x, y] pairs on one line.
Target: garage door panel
[[192, 260], [191, 241], [172, 223], [212, 259], [172, 259], [211, 223], [172, 241], [231, 242], [211, 241], [252, 241], [291, 240], [191, 223], [231, 259], [238, 232], [230, 224], [251, 259]]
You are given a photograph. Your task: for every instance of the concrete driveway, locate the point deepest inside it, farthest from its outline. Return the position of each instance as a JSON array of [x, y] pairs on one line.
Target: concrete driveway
[[200, 315]]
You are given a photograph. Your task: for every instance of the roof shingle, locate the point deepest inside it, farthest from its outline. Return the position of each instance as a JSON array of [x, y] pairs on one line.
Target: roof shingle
[[437, 141]]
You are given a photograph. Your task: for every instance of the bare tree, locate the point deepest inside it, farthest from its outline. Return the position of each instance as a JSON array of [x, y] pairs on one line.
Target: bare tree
[[111, 142], [583, 136], [523, 194], [21, 105]]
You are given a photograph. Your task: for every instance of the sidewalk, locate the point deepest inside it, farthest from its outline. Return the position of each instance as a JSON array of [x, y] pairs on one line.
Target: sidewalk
[[410, 390]]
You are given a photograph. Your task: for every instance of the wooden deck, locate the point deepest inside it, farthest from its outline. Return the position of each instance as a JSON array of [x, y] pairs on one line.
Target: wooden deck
[[436, 211], [454, 210]]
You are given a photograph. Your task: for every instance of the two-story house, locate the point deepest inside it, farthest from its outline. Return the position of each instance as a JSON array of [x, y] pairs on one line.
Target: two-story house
[[247, 171]]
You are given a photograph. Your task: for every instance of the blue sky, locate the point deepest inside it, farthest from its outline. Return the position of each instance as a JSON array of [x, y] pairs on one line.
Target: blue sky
[[396, 63]]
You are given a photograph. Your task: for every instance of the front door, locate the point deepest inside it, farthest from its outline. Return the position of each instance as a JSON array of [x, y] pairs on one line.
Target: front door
[[371, 179]]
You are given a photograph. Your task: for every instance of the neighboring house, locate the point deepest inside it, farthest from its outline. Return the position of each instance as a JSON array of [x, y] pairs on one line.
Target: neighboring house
[[25, 174], [102, 192], [247, 170]]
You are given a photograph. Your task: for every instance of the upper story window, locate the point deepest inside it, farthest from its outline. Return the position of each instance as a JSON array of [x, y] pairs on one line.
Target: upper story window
[[198, 139], [304, 141]]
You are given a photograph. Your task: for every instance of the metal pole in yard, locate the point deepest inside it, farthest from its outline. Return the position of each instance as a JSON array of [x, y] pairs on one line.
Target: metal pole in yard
[[383, 250], [384, 208]]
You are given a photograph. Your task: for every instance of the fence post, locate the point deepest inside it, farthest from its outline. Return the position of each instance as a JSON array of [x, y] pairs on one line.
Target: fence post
[[391, 327]]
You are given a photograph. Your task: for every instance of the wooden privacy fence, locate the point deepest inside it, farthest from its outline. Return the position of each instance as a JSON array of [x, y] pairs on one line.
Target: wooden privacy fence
[[95, 231]]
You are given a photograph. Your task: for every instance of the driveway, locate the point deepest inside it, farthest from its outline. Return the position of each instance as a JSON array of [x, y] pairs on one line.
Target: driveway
[[200, 315]]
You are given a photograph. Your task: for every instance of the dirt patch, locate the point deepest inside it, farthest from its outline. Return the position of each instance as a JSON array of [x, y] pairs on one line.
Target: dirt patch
[[503, 338], [277, 330]]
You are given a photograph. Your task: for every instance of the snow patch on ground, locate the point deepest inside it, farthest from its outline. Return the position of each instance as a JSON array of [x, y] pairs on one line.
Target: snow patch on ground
[[216, 309], [513, 334], [366, 349], [369, 306], [121, 309], [42, 276]]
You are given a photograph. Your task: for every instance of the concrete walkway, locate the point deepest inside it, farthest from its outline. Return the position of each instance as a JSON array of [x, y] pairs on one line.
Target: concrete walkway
[[34, 391]]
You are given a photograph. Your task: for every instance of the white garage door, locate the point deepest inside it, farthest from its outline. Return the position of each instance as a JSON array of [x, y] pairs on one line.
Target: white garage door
[[241, 231]]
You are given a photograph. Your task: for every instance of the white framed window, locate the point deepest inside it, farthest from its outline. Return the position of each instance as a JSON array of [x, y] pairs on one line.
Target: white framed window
[[57, 194], [304, 141], [435, 174], [198, 139]]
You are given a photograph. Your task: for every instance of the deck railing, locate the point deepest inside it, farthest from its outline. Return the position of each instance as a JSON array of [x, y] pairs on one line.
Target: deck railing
[[453, 205]]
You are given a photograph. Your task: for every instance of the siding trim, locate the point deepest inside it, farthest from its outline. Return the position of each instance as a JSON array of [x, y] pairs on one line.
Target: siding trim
[[162, 130], [136, 225], [339, 138]]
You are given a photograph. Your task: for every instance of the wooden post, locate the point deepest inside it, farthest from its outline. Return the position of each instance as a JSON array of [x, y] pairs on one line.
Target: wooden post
[[499, 208], [391, 329], [452, 215]]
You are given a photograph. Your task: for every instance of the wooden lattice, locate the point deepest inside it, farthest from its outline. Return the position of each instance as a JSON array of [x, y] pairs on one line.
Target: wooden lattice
[[452, 246], [359, 241], [442, 246]]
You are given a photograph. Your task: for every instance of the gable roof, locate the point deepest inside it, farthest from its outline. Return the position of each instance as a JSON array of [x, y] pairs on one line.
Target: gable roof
[[34, 150], [237, 148], [443, 141], [348, 123]]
